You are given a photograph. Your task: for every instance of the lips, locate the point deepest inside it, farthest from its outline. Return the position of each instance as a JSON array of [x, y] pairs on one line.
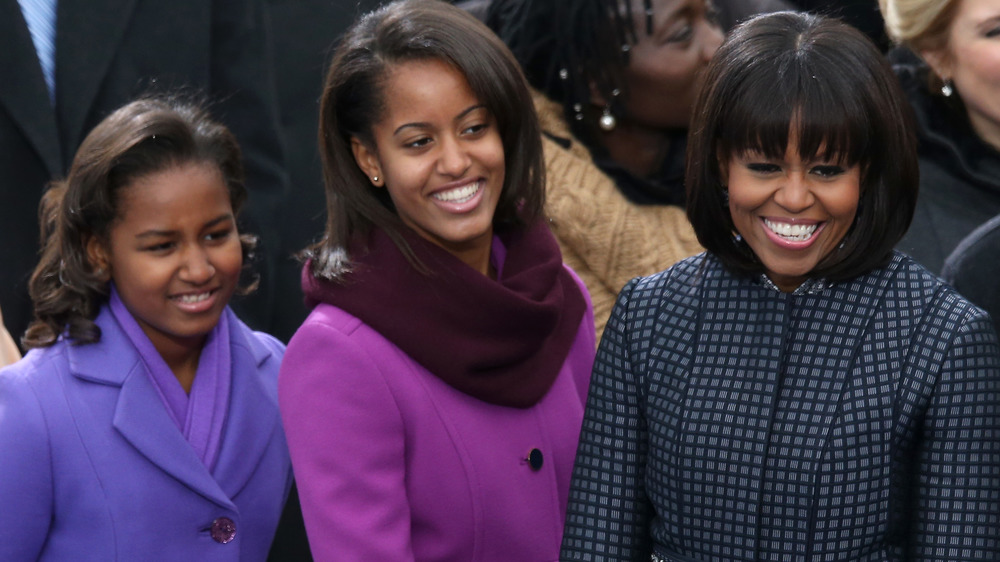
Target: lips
[[195, 302], [798, 232], [460, 198], [792, 234], [459, 194]]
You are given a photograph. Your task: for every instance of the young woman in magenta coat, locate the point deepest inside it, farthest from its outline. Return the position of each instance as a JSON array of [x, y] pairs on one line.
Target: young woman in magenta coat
[[433, 398]]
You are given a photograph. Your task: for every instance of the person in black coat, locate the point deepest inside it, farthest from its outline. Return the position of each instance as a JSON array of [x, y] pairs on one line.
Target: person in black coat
[[108, 52], [943, 62], [974, 270]]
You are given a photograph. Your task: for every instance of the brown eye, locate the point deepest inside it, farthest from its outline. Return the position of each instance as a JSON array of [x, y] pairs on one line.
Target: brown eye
[[763, 168], [828, 171]]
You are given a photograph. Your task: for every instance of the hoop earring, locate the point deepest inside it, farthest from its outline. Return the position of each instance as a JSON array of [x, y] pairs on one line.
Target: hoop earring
[[948, 88]]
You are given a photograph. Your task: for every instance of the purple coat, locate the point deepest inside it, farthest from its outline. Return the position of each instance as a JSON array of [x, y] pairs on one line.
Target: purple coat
[[93, 468], [393, 464]]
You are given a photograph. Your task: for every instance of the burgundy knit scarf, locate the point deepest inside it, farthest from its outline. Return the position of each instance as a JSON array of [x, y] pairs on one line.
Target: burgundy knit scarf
[[503, 342]]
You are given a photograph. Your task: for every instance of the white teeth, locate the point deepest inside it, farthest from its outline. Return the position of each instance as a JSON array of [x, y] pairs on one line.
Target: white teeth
[[190, 299], [793, 232], [459, 194]]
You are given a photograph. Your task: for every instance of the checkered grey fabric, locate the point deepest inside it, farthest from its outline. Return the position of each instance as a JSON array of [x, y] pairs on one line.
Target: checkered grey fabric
[[728, 421]]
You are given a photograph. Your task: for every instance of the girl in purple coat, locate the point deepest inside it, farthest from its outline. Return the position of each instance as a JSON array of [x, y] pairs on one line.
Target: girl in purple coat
[[143, 424], [433, 398]]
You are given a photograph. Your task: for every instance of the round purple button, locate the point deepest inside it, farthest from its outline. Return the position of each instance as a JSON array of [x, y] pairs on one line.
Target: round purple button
[[223, 530]]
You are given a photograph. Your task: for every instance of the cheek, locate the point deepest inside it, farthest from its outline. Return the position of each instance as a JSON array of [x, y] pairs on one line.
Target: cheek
[[229, 259], [845, 202], [744, 199]]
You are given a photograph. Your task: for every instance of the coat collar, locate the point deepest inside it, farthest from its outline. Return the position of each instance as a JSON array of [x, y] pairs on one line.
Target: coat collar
[[142, 419]]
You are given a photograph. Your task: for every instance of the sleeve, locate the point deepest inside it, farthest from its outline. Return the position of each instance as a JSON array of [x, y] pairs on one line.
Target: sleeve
[[608, 513], [346, 438], [25, 471], [606, 238], [242, 84], [958, 470]]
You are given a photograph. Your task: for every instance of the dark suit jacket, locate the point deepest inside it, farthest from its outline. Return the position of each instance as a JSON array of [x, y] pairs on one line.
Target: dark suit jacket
[[108, 52]]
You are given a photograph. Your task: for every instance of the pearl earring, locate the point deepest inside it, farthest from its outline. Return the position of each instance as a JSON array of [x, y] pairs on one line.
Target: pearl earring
[[948, 88], [375, 179], [607, 122]]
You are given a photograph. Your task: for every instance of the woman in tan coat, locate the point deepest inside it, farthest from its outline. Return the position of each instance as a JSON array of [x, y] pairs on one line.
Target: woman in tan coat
[[616, 82]]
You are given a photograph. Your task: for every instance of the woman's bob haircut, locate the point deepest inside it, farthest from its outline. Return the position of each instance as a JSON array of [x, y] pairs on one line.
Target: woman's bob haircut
[[353, 101], [820, 81]]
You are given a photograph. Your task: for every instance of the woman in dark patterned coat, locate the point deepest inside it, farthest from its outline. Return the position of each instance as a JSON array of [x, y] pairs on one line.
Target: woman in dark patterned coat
[[800, 391]]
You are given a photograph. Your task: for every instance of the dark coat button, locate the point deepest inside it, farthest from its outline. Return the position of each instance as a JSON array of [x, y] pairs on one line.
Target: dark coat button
[[223, 530], [535, 459]]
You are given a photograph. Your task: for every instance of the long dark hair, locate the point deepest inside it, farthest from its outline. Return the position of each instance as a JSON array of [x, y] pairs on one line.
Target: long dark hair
[[144, 137], [353, 102], [832, 85]]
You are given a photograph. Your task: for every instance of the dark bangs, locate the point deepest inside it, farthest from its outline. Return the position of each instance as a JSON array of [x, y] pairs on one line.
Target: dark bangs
[[804, 97]]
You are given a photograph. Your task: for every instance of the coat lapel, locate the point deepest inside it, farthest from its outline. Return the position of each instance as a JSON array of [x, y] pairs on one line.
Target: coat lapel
[[253, 411], [88, 35], [140, 415], [24, 93]]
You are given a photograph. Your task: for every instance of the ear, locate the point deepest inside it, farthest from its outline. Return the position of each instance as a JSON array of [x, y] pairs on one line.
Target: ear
[[97, 258], [939, 61], [368, 161], [595, 96]]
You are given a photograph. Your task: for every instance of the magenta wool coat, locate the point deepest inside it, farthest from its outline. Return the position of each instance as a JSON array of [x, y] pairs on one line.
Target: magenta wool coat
[[92, 468], [393, 464]]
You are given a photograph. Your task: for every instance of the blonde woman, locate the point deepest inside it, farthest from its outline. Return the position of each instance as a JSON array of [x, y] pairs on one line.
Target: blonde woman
[[953, 84]]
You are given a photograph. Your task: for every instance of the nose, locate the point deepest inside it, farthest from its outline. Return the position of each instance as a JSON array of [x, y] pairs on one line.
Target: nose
[[713, 40], [794, 194], [197, 266], [454, 159]]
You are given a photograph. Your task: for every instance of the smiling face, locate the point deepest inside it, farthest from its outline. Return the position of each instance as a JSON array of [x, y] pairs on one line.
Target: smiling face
[[440, 156], [971, 59], [792, 213], [174, 254], [665, 67]]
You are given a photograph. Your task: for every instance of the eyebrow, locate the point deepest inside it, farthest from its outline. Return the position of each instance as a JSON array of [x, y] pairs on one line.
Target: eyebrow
[[988, 23], [421, 125], [157, 233]]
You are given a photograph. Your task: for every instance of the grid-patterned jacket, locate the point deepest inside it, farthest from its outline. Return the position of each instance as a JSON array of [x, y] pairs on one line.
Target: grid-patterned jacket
[[728, 421]]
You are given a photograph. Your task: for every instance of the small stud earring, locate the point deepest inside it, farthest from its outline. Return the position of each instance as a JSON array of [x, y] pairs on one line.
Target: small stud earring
[[375, 179], [948, 88]]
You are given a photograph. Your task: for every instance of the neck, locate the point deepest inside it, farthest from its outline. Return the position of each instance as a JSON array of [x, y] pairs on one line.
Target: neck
[[182, 358], [637, 148], [987, 129], [478, 258]]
